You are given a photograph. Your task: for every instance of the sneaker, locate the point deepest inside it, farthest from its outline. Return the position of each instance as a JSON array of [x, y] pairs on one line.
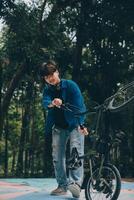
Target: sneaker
[[75, 189], [59, 191]]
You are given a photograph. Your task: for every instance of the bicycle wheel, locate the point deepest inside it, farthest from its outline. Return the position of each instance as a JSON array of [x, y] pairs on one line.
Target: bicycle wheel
[[122, 98], [105, 185]]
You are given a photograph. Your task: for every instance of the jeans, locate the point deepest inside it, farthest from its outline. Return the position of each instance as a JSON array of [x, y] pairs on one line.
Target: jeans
[[59, 141]]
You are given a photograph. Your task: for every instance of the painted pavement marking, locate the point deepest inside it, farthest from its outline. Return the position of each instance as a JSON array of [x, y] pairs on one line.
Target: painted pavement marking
[[21, 189], [12, 190], [128, 191]]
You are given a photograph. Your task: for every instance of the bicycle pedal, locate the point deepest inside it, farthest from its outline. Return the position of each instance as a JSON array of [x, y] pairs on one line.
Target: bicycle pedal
[[107, 191], [108, 194]]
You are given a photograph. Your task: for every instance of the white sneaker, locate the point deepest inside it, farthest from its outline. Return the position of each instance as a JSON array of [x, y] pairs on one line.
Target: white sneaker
[[75, 189]]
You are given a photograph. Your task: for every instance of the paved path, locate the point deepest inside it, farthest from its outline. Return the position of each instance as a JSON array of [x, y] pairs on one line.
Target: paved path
[[39, 189]]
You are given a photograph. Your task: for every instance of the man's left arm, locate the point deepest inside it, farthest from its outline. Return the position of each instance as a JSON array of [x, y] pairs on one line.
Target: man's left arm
[[78, 101]]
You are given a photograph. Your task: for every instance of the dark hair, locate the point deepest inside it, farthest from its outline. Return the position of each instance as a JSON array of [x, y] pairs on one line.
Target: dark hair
[[48, 68]]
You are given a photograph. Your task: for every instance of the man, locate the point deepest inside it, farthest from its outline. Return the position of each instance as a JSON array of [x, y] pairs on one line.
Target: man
[[64, 126]]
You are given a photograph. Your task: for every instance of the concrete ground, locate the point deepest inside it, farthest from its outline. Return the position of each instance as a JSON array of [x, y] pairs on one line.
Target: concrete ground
[[39, 189]]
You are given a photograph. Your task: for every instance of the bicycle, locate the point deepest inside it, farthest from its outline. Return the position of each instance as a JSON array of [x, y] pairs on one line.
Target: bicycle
[[103, 180]]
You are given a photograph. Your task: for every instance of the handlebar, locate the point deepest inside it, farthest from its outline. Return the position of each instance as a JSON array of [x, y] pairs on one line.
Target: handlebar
[[76, 111]]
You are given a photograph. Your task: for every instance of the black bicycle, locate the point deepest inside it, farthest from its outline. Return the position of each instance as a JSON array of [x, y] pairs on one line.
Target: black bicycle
[[103, 180]]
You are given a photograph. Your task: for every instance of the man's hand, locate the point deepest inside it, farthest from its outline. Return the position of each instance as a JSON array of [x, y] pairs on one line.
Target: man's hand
[[57, 102], [83, 130]]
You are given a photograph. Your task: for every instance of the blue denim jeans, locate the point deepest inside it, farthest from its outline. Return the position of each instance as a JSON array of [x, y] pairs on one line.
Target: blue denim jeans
[[59, 142]]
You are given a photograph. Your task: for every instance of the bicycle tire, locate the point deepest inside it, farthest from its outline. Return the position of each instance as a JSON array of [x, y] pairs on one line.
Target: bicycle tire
[[114, 170], [122, 99]]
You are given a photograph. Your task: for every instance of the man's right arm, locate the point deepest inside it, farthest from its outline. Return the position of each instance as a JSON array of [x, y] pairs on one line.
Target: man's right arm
[[48, 102], [47, 99]]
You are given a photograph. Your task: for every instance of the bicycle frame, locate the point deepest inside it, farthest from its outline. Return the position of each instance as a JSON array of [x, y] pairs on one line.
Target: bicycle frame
[[91, 167]]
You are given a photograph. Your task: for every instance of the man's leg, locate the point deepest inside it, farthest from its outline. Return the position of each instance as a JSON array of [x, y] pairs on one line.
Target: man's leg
[[59, 140], [76, 176]]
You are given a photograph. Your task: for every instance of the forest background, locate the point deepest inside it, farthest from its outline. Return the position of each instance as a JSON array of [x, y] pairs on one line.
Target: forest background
[[93, 42]]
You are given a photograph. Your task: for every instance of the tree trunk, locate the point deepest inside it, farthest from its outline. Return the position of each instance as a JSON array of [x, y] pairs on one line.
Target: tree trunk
[[47, 157], [6, 100], [19, 170], [24, 139], [13, 161], [33, 135], [77, 58], [29, 97], [1, 83], [32, 146], [133, 140], [76, 74], [6, 148]]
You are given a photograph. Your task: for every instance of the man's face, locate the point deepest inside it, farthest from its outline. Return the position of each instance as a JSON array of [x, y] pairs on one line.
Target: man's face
[[52, 79]]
